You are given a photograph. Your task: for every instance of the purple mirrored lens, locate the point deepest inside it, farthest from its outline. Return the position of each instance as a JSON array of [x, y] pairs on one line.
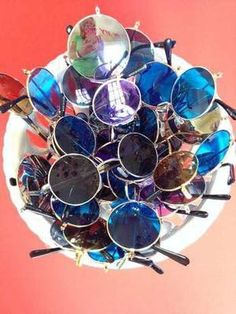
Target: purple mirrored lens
[[107, 151], [116, 102], [78, 89]]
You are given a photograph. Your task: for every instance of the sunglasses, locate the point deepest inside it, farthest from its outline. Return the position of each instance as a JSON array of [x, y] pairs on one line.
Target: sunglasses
[[13, 97], [139, 57], [194, 94], [135, 227], [74, 179], [77, 89], [116, 102], [44, 93], [212, 151], [155, 83], [90, 238], [94, 51], [72, 134], [77, 216], [32, 176]]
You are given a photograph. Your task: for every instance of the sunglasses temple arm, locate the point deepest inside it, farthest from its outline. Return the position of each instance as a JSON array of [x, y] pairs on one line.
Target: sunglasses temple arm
[[69, 29], [159, 44], [148, 263], [231, 178], [37, 210], [218, 197], [43, 252], [8, 105], [195, 213], [30, 122], [62, 109], [231, 111], [179, 258]]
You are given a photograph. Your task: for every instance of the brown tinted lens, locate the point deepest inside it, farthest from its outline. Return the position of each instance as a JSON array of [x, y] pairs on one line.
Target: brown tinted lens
[[94, 237], [23, 108], [11, 89], [175, 170]]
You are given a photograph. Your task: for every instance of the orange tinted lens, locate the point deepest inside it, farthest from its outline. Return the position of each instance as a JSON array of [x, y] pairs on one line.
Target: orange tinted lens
[[175, 170]]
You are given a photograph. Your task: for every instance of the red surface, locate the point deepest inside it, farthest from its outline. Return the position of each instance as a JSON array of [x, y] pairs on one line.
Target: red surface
[[31, 34]]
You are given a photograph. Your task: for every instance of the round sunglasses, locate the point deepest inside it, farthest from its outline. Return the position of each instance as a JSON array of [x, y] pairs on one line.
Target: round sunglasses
[[116, 102], [155, 83], [98, 47]]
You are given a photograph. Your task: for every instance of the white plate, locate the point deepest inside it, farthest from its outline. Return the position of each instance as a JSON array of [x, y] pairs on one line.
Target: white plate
[[16, 145]]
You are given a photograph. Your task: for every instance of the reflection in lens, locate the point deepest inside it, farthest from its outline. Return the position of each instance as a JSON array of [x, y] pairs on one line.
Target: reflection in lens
[[193, 93], [134, 226], [212, 151], [44, 92], [139, 55], [116, 102], [175, 170], [98, 47], [32, 176], [74, 179], [155, 83], [78, 89], [74, 135], [11, 89], [93, 237]]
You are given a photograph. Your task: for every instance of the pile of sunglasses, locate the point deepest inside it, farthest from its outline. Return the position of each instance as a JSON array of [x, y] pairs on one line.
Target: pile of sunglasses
[[131, 142]]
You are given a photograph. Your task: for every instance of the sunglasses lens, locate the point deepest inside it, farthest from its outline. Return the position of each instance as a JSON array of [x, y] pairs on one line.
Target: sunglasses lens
[[83, 215], [57, 234], [148, 123], [107, 151], [113, 252], [106, 194], [11, 89], [74, 179], [44, 92], [134, 226], [193, 93], [118, 187], [74, 135], [93, 237], [77, 89], [195, 188], [212, 151], [32, 176], [58, 207], [98, 41], [139, 56], [102, 138], [155, 83], [175, 170], [116, 102], [137, 155]]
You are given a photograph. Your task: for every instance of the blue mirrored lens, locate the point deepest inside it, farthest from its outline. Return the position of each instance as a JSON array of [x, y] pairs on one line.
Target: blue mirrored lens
[[134, 226], [148, 123], [44, 92], [155, 83], [58, 207], [112, 253], [57, 234], [193, 93], [83, 215], [212, 151], [74, 135]]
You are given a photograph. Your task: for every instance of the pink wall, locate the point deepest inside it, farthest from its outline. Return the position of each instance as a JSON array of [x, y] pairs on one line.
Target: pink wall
[[33, 33]]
